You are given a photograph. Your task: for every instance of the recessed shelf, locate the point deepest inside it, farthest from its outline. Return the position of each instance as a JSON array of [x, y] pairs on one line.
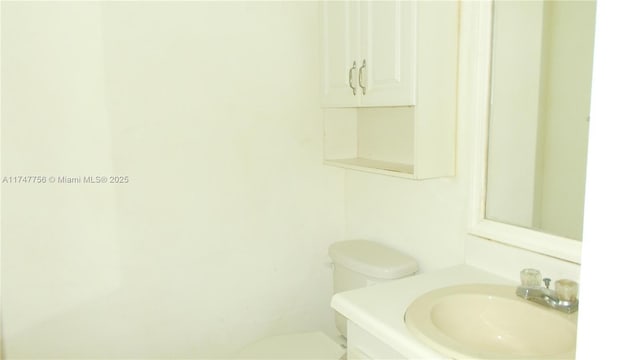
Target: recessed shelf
[[375, 166]]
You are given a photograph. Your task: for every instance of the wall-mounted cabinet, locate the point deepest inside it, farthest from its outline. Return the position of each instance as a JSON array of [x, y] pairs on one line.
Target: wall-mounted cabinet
[[389, 79], [369, 51]]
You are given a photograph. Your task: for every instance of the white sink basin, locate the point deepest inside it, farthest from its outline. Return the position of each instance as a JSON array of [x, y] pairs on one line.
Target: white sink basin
[[490, 322]]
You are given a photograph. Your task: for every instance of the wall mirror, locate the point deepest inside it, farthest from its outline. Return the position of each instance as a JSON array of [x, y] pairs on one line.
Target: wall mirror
[[534, 151]]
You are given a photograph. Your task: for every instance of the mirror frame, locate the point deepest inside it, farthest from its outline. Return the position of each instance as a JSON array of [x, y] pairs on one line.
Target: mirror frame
[[479, 93]]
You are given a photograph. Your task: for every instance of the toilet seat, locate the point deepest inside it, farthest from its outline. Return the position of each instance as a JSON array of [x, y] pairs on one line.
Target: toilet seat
[[314, 345]]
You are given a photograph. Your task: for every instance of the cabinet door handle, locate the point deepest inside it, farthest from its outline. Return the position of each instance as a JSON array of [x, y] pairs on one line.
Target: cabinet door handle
[[364, 65], [353, 68]]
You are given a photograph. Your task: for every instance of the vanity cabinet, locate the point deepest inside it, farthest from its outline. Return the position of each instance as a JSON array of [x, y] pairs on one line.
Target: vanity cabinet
[[364, 346], [389, 86], [369, 53]]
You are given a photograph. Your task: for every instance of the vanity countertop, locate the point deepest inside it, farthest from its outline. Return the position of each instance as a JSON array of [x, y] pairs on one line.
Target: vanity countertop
[[380, 309]]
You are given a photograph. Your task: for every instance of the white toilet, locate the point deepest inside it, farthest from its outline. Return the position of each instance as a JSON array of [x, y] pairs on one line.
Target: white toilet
[[356, 264]]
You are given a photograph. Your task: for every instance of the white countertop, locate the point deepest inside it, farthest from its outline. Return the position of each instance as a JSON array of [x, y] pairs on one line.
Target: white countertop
[[380, 309]]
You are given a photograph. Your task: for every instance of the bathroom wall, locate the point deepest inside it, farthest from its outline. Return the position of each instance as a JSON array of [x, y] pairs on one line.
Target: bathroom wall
[[425, 219], [59, 241], [219, 236]]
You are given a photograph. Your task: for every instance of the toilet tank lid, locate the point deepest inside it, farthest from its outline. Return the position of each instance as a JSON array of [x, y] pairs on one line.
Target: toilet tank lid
[[372, 259]]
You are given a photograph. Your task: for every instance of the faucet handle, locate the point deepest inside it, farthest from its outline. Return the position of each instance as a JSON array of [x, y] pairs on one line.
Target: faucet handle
[[567, 290], [530, 277], [547, 281]]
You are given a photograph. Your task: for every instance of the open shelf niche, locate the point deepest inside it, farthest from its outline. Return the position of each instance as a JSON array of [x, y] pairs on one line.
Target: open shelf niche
[[383, 140]]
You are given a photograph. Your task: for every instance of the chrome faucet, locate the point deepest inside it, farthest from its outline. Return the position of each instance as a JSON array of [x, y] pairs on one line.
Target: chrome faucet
[[563, 298]]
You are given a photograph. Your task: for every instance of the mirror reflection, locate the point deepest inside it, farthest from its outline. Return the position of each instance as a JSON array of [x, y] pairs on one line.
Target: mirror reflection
[[539, 114]]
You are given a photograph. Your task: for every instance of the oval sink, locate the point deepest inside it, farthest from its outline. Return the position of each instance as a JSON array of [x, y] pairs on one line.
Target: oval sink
[[490, 322]]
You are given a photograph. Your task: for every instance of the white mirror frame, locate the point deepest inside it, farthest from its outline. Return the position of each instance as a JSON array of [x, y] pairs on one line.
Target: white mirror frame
[[478, 67]]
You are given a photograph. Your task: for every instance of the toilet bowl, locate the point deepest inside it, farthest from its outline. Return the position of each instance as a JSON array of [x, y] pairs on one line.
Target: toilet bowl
[[312, 345], [356, 264]]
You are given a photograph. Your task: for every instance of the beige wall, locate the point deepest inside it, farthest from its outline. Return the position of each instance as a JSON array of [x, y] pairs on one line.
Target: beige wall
[[221, 235]]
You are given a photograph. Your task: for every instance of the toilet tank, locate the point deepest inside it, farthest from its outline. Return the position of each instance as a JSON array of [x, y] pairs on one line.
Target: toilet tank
[[360, 263]]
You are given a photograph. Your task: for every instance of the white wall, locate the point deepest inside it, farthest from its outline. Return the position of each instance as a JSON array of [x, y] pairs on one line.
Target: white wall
[[59, 241], [426, 220], [220, 236]]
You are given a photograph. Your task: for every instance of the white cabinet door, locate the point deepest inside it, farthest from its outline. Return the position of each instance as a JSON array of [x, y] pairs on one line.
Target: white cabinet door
[[369, 53], [388, 51], [363, 346], [340, 45]]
